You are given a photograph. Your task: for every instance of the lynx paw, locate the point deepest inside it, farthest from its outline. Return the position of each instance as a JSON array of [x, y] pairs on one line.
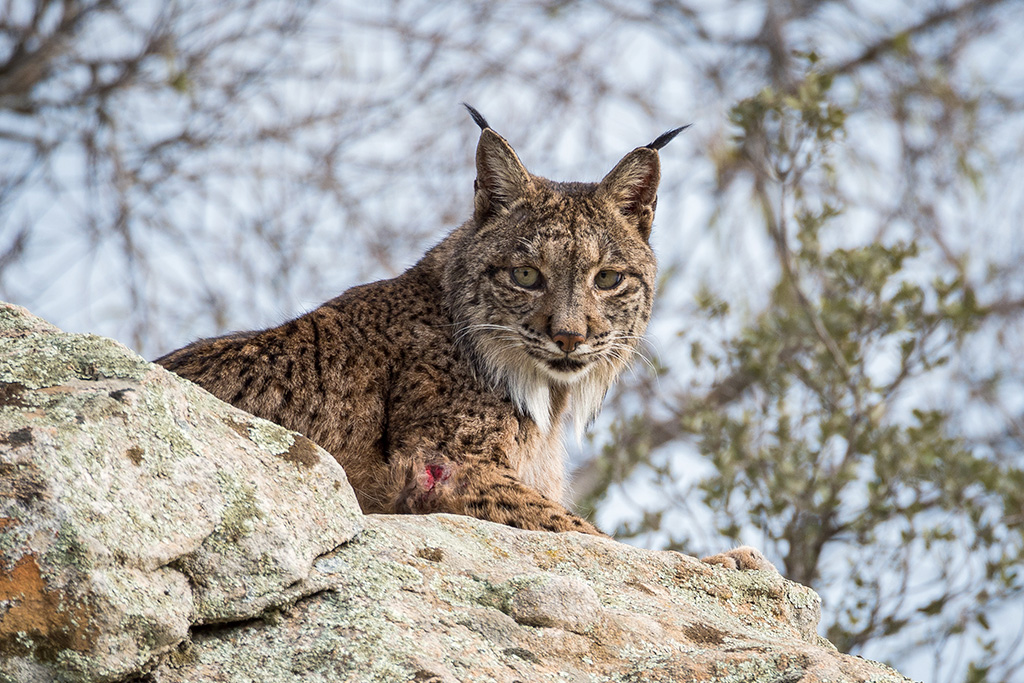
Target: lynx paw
[[742, 558]]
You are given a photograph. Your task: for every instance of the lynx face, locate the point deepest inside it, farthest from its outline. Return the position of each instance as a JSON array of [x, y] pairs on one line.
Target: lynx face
[[552, 283]]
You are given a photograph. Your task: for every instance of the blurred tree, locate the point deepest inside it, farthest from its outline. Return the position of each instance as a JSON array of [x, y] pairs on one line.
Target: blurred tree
[[844, 390], [826, 446]]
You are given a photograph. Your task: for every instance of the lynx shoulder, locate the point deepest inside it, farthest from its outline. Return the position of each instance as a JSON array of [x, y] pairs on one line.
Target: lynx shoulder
[[444, 389]]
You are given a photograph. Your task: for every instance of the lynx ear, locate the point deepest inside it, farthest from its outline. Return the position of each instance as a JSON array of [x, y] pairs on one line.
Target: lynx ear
[[500, 176], [633, 187], [633, 184]]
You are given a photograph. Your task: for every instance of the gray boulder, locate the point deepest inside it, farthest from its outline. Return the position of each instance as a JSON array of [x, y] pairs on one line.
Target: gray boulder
[[134, 505], [150, 532]]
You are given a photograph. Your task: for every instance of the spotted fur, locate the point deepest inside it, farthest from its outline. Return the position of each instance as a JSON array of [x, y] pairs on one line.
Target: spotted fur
[[444, 389]]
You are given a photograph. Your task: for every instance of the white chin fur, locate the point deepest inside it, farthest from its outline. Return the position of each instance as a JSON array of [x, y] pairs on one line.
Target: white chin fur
[[529, 385], [566, 377]]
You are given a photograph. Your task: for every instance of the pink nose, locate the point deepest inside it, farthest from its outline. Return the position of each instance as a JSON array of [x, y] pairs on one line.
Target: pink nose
[[568, 341]]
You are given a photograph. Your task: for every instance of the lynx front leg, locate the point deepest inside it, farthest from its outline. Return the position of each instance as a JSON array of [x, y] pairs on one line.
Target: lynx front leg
[[744, 557], [486, 491]]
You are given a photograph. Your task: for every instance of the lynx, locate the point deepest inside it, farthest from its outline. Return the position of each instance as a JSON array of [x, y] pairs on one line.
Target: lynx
[[445, 389]]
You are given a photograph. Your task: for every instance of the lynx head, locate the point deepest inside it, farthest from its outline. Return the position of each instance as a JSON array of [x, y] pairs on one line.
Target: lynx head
[[551, 284]]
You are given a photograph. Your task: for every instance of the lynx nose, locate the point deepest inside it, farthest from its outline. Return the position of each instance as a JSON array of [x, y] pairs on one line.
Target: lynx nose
[[568, 341]]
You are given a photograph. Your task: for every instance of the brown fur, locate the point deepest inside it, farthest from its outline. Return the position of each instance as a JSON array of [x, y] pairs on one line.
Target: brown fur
[[444, 389]]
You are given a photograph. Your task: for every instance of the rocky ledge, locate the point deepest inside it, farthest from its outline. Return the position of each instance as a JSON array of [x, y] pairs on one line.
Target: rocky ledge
[[149, 532]]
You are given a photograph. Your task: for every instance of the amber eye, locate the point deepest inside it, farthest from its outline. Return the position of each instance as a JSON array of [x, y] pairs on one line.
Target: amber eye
[[526, 277], [606, 279]]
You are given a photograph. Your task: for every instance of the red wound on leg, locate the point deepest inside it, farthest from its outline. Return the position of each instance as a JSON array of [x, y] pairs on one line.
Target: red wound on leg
[[435, 474]]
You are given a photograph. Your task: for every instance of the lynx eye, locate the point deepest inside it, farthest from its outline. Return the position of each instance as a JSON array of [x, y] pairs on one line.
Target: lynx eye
[[606, 279], [526, 277]]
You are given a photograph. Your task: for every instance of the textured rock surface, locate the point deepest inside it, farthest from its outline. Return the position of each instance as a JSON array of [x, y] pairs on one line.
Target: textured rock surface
[[148, 530], [446, 598], [133, 505]]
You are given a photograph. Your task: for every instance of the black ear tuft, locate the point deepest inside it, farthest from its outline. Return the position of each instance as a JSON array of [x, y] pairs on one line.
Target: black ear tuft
[[482, 122], [500, 176], [662, 140]]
